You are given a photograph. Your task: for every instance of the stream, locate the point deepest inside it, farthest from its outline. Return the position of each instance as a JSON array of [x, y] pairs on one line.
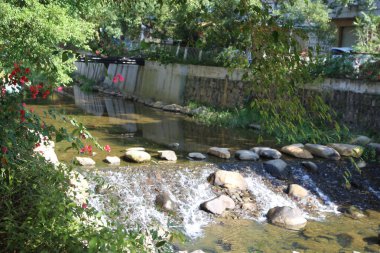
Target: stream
[[132, 188]]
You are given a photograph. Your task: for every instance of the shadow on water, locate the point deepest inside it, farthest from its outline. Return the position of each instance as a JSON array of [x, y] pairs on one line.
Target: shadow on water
[[122, 124]]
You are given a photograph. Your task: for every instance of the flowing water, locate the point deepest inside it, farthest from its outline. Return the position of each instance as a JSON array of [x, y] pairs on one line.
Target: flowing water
[[131, 189]]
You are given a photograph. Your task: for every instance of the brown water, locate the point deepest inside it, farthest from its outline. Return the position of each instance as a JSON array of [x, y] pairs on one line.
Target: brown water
[[123, 124]]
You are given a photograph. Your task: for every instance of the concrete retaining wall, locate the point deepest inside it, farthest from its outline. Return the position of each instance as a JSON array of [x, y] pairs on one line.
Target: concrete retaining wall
[[358, 102]]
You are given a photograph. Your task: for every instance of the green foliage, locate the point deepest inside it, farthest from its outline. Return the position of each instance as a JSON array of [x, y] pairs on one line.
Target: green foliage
[[368, 33], [44, 36], [38, 210]]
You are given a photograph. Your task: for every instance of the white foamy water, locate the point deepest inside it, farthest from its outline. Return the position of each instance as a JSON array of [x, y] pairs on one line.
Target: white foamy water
[[136, 198], [135, 191]]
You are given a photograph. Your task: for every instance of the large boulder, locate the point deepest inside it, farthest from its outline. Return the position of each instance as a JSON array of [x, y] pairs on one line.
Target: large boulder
[[165, 202], [297, 150], [297, 191], [347, 149], [277, 168], [84, 161], [220, 152], [218, 205], [196, 156], [286, 217], [267, 152], [228, 179], [323, 151], [137, 156], [168, 155], [113, 160], [246, 155]]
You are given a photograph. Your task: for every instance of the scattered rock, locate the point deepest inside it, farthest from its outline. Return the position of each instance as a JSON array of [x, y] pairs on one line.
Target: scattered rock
[[353, 212], [310, 166], [246, 155], [220, 152], [249, 206], [228, 179], [172, 108], [168, 155], [266, 152], [297, 191], [323, 151], [218, 205], [361, 140], [199, 110], [287, 217], [135, 149], [113, 160], [158, 105], [137, 156], [186, 110], [173, 145], [277, 168], [198, 251], [84, 161], [347, 149], [196, 156], [361, 164], [164, 201], [297, 150], [255, 126]]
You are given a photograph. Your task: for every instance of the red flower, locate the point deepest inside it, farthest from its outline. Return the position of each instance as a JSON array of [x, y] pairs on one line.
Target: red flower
[[82, 150], [60, 89], [45, 94], [27, 71], [107, 148], [23, 79], [23, 105], [22, 115], [84, 205], [4, 150], [115, 80], [89, 149]]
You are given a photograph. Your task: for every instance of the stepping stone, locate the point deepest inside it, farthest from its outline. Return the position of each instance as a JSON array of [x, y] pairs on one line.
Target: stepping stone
[[267, 152], [135, 149], [113, 160], [137, 156], [347, 149], [246, 155], [196, 156], [168, 155], [84, 161], [297, 150], [323, 151], [220, 152]]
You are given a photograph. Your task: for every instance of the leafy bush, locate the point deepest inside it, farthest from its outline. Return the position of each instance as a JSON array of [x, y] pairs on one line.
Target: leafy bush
[[37, 213]]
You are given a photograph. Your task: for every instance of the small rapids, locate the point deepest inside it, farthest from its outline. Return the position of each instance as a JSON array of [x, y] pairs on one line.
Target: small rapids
[[132, 192]]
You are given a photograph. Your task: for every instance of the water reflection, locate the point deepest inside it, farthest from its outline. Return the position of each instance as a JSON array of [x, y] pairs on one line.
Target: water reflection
[[159, 126]]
